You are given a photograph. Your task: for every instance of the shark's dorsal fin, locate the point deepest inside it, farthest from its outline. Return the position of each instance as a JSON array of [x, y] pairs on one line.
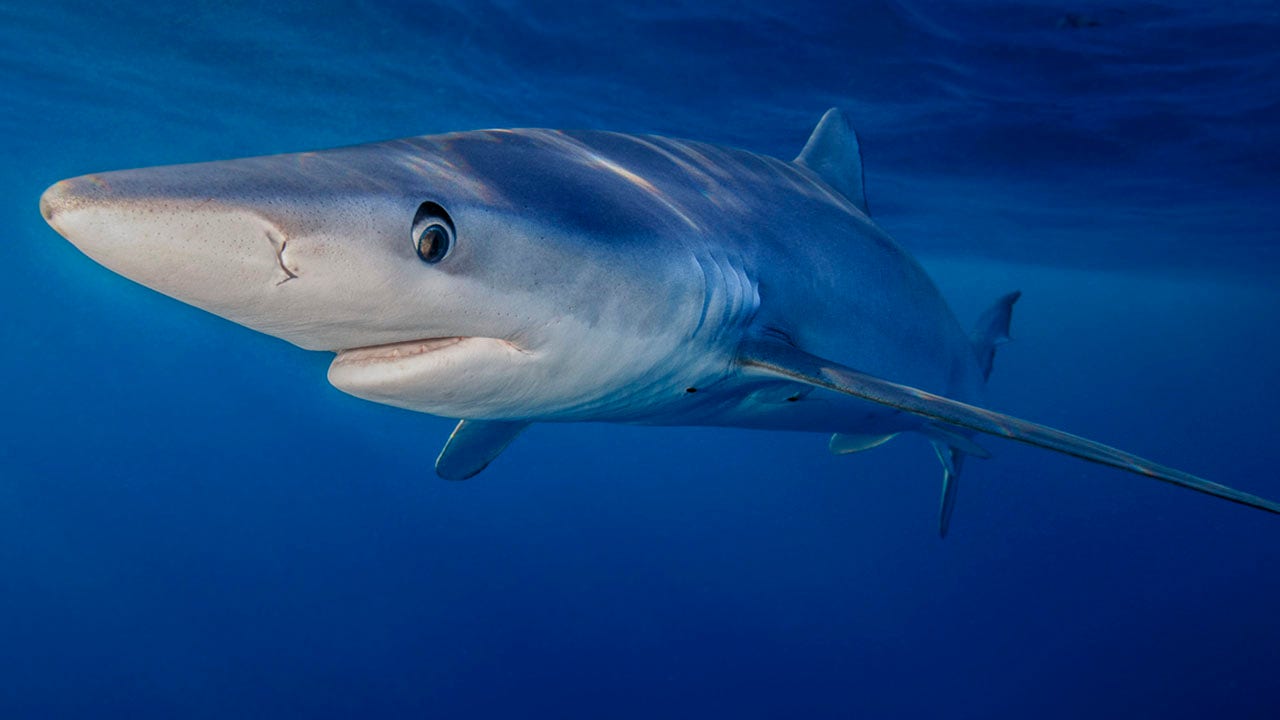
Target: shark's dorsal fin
[[832, 152], [473, 445], [776, 359]]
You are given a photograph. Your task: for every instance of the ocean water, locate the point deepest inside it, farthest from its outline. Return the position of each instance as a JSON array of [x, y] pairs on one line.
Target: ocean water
[[194, 524]]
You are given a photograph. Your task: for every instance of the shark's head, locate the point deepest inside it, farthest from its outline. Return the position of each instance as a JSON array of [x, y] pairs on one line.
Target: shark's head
[[474, 275]]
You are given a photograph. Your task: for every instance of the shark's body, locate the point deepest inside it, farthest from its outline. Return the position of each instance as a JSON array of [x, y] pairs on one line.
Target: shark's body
[[516, 276]]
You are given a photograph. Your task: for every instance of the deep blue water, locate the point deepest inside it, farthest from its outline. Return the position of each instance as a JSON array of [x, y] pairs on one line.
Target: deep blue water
[[194, 524]]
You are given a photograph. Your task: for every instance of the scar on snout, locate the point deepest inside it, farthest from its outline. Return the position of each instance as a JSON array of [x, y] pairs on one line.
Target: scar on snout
[[280, 246]]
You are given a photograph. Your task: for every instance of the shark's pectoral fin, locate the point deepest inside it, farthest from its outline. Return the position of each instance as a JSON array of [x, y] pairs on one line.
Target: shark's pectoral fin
[[783, 361], [473, 445]]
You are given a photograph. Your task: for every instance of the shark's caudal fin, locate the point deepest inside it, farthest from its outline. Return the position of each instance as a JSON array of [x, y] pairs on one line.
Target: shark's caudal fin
[[832, 152], [992, 331], [950, 443], [782, 361], [952, 461], [473, 445]]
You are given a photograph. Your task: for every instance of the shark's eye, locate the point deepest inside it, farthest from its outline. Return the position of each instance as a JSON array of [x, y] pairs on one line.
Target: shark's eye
[[433, 243], [432, 233]]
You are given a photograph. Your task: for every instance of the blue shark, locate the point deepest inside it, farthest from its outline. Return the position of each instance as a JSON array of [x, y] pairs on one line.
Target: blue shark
[[507, 277]]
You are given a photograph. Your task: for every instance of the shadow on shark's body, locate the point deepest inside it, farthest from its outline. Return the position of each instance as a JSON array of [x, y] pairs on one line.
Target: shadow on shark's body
[[515, 276]]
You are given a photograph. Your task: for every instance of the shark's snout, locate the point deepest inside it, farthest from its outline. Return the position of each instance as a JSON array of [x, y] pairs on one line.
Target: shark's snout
[[223, 257], [260, 254], [67, 195], [73, 207], [123, 222], [51, 200]]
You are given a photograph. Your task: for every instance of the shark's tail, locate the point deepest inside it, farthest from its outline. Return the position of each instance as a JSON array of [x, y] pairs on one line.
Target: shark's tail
[[991, 331], [950, 422], [951, 444]]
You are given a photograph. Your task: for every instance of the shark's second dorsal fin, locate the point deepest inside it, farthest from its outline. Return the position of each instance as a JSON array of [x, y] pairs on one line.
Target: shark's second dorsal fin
[[832, 152]]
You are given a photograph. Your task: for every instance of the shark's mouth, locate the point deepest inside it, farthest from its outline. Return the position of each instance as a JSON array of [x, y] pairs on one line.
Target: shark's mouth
[[451, 376], [392, 352]]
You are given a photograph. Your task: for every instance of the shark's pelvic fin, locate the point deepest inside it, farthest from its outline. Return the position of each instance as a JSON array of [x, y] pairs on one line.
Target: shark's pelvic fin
[[848, 443], [783, 361], [473, 445], [992, 331], [832, 152]]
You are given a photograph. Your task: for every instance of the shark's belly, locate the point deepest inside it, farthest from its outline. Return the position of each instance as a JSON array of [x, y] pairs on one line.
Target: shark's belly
[[748, 402], [819, 411]]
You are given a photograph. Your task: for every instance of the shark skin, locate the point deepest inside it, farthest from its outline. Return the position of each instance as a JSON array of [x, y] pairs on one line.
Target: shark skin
[[506, 277]]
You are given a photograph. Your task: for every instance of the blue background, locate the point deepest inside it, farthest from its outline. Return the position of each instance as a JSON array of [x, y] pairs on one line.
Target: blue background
[[194, 524]]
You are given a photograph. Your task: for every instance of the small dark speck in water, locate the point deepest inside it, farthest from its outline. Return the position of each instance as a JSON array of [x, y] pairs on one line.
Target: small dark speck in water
[[1076, 21]]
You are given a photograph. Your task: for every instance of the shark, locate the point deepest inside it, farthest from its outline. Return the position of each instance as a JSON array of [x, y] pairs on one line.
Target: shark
[[517, 276]]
